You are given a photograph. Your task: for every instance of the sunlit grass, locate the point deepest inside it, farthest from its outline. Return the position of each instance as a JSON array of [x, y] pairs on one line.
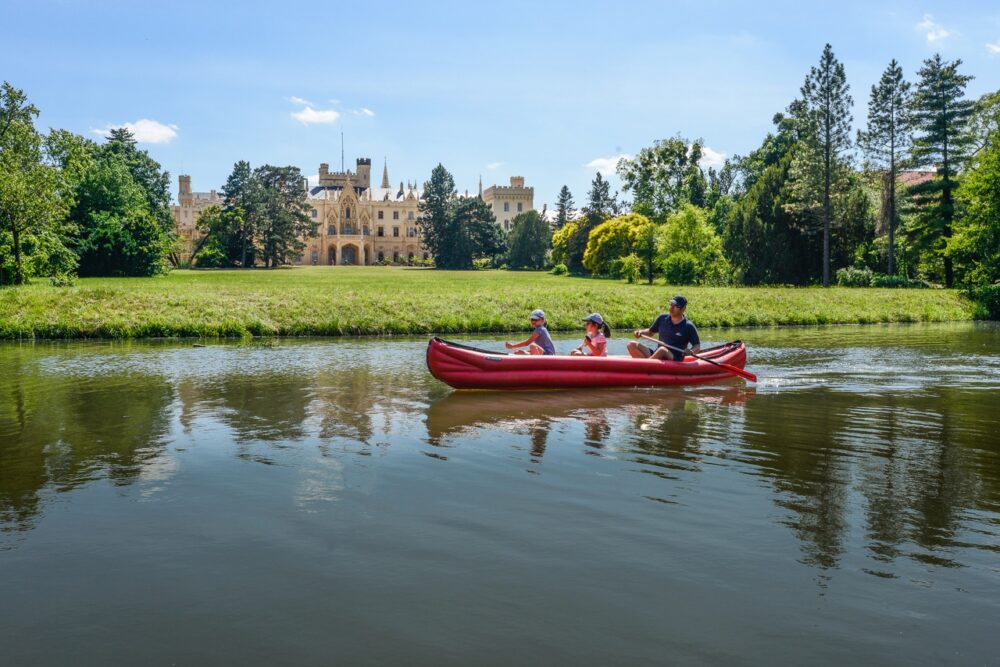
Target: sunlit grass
[[381, 300]]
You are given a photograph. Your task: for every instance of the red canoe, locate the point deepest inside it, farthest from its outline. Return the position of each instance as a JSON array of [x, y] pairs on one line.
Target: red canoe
[[465, 367]]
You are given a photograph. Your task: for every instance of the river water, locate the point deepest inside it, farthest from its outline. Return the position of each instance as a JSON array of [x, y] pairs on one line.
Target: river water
[[328, 502]]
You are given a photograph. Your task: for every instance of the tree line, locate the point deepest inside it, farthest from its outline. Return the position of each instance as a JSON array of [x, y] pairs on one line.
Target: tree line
[[912, 198], [72, 206]]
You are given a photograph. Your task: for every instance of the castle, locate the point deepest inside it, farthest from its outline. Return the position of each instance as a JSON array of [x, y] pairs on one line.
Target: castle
[[358, 223]]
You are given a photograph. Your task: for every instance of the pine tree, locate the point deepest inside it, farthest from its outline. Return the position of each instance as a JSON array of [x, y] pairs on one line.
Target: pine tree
[[887, 140], [436, 216], [564, 208], [941, 116], [825, 114]]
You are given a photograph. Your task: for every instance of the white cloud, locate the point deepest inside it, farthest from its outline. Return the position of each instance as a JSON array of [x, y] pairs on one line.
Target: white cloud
[[144, 130], [607, 165], [493, 165], [935, 32], [300, 101], [310, 116], [364, 111], [313, 180], [711, 158], [994, 48]]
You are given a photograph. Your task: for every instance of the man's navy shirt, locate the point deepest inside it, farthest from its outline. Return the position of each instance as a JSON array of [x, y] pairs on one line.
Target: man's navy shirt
[[676, 335]]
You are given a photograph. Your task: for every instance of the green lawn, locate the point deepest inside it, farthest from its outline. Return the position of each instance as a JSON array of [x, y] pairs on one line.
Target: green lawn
[[382, 300]]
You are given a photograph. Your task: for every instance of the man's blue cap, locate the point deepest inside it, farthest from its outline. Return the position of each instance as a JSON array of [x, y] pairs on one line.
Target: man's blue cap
[[595, 318], [538, 314], [679, 301]]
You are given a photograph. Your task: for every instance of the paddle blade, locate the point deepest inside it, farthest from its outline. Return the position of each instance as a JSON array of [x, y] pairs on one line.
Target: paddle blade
[[739, 371]]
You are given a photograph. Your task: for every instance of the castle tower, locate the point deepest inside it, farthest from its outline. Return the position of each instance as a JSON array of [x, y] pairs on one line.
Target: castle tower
[[184, 196], [364, 173], [385, 175]]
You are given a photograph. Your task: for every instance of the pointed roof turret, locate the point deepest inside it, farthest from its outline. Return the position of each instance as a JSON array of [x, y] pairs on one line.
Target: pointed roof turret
[[480, 186], [385, 174], [401, 191]]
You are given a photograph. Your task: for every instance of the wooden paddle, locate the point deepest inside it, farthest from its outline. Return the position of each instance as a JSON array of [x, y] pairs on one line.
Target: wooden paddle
[[732, 369]]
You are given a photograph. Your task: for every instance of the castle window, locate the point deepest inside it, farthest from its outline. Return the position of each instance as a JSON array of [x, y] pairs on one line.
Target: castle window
[[506, 225], [520, 207], [409, 216], [411, 231], [506, 206], [347, 213], [395, 231], [315, 213], [331, 230], [380, 214], [395, 256], [395, 215], [380, 231], [381, 256]]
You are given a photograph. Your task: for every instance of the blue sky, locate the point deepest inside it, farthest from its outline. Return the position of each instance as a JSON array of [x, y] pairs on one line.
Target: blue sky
[[551, 91]]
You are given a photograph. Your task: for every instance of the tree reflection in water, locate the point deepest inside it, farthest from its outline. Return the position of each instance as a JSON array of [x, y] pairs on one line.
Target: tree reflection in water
[[60, 433]]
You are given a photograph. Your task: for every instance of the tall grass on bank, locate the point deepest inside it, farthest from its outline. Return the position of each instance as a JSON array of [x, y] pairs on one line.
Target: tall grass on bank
[[333, 301]]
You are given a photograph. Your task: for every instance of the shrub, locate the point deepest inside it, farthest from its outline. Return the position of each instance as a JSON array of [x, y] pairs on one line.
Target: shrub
[[987, 298], [851, 277], [559, 270], [629, 267], [882, 280], [63, 280], [680, 268], [482, 263], [688, 232]]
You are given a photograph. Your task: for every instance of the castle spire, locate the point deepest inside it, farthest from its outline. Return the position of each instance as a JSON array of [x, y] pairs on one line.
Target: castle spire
[[480, 186], [385, 174]]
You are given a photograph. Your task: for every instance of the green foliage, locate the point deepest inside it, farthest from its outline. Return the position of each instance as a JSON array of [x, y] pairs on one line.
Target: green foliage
[[820, 172], [63, 280], [560, 242], [601, 205], [976, 244], [851, 277], [457, 231], [629, 267], [436, 216], [117, 235], [283, 213], [942, 118], [32, 204], [886, 142], [564, 208], [680, 268], [612, 240], [987, 298], [664, 177], [482, 263], [529, 241], [688, 232], [560, 270]]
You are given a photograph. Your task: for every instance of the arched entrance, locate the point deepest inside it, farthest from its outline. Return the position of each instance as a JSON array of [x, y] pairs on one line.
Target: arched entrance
[[331, 255], [349, 255]]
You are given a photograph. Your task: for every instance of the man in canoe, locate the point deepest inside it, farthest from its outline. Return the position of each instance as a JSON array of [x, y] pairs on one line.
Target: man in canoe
[[672, 328]]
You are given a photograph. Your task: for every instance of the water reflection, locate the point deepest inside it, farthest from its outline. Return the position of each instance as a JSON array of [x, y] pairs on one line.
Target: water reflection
[[57, 435], [903, 464]]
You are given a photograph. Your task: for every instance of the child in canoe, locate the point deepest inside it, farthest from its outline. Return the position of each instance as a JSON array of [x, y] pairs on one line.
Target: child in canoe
[[539, 342], [595, 344]]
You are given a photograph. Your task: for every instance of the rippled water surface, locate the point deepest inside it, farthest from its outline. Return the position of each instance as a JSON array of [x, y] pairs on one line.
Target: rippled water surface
[[327, 502]]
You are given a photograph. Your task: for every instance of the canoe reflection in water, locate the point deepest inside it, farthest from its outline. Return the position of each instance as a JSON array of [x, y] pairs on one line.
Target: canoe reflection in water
[[654, 419]]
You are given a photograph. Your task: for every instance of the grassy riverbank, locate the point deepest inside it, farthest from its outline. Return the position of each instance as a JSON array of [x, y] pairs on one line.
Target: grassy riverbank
[[381, 300]]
